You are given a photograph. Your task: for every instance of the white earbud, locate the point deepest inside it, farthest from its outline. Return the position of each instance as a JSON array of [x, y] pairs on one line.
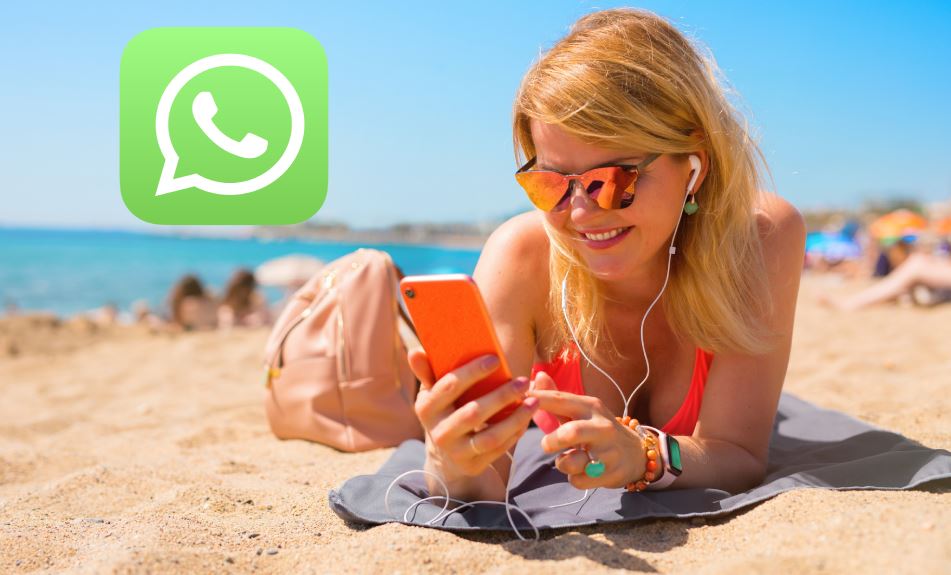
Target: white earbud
[[694, 171]]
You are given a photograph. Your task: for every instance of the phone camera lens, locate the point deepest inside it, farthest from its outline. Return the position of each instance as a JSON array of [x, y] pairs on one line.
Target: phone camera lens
[[410, 294]]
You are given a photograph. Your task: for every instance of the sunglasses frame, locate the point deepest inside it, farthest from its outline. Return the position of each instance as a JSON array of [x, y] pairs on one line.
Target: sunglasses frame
[[569, 179]]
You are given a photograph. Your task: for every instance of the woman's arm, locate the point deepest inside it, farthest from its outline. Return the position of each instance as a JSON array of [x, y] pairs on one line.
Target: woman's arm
[[729, 447], [512, 275]]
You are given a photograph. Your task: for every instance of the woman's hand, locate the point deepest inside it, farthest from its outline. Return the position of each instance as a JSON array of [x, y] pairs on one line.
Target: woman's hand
[[586, 423], [449, 451]]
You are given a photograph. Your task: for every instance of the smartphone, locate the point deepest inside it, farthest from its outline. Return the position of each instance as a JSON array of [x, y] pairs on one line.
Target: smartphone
[[454, 327]]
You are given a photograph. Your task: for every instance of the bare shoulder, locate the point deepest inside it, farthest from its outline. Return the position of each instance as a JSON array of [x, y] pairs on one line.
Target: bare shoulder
[[517, 251], [781, 226], [525, 230], [782, 232]]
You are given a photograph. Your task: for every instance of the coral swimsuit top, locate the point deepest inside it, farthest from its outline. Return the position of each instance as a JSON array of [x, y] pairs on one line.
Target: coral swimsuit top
[[567, 376]]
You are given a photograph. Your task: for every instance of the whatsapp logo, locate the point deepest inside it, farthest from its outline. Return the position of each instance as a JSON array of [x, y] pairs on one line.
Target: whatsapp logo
[[223, 126]]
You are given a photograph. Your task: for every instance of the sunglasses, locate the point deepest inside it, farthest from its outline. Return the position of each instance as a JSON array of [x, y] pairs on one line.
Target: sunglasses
[[611, 186]]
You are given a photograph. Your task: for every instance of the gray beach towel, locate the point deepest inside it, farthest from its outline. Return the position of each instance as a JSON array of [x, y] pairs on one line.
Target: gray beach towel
[[810, 448]]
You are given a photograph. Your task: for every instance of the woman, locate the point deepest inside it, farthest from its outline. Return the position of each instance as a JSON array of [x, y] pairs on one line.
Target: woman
[[625, 88], [924, 277], [242, 304], [191, 306], [891, 256]]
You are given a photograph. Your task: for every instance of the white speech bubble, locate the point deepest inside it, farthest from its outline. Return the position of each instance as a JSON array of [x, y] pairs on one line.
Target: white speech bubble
[[168, 183]]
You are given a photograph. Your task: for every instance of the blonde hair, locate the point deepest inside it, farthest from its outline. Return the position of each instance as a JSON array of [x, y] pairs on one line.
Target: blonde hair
[[628, 80]]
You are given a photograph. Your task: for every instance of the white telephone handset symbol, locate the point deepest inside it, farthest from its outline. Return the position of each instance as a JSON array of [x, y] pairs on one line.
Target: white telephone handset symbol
[[204, 109]]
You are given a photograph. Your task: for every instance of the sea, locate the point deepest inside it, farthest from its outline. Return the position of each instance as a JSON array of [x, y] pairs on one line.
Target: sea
[[67, 272]]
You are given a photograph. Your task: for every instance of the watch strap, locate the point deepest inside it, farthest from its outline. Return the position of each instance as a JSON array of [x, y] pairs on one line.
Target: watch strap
[[668, 476]]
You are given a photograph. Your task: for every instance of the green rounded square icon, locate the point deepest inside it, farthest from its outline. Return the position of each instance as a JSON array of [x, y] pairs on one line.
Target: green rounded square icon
[[223, 126]]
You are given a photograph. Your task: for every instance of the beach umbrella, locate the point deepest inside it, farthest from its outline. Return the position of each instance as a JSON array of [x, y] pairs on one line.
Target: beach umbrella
[[943, 227], [898, 223], [290, 271]]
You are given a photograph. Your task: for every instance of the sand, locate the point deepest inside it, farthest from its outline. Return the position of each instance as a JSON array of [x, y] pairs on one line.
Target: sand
[[130, 452]]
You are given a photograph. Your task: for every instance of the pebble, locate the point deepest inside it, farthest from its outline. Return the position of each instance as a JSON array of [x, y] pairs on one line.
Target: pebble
[[254, 535], [272, 551], [229, 560], [259, 551]]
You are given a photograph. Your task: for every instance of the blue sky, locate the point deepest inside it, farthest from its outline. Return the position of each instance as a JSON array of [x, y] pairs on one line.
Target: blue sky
[[849, 100]]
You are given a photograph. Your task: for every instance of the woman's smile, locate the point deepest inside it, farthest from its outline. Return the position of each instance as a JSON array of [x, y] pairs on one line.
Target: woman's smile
[[600, 239]]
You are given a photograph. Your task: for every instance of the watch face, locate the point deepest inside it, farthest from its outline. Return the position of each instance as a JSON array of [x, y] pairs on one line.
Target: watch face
[[673, 451]]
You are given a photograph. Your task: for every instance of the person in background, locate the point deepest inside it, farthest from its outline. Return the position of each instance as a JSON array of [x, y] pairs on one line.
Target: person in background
[[243, 304], [191, 306], [944, 248], [891, 255], [142, 315], [105, 316], [923, 277]]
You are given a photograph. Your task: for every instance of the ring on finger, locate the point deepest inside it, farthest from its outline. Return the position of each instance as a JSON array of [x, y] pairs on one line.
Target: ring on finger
[[594, 467]]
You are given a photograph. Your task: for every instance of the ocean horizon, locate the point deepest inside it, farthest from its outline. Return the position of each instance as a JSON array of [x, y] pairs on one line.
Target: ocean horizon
[[71, 271]]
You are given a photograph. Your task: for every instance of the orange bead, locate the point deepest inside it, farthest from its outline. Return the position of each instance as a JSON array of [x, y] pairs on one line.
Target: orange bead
[[626, 420], [652, 465], [641, 486], [648, 476], [652, 454], [633, 423]]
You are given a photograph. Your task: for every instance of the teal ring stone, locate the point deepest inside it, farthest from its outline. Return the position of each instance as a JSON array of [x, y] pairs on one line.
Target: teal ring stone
[[691, 208], [594, 468]]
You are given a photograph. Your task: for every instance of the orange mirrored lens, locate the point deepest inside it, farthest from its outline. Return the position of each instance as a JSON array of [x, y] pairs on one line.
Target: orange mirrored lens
[[544, 189], [611, 187]]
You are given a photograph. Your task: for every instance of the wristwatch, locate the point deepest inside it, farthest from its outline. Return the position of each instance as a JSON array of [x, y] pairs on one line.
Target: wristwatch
[[670, 457]]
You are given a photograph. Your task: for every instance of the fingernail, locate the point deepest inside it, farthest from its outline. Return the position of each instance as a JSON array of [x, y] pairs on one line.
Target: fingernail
[[531, 403], [521, 384], [490, 362]]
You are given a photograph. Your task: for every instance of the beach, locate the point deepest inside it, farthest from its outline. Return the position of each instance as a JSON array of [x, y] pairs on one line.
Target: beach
[[127, 451]]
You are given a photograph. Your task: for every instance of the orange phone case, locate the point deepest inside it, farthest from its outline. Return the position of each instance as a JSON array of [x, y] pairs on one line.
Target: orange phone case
[[454, 327]]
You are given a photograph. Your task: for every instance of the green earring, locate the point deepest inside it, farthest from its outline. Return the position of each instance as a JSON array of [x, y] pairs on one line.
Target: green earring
[[691, 207]]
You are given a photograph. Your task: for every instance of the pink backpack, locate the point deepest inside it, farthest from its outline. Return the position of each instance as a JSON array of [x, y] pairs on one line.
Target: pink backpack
[[336, 365]]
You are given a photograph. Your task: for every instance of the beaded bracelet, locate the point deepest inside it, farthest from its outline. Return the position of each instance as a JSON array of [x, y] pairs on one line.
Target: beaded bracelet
[[650, 451]]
